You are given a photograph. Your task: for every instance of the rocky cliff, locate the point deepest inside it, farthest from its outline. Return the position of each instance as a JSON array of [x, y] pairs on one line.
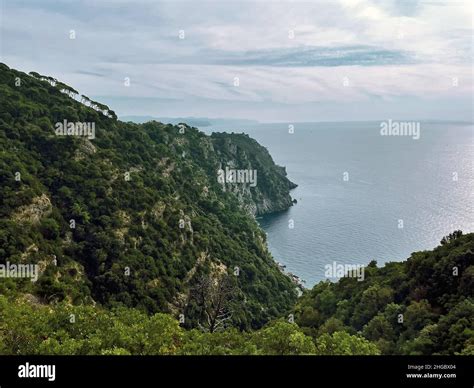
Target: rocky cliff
[[267, 188]]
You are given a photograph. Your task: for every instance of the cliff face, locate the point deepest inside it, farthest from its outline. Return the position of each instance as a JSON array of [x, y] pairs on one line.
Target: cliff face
[[264, 186], [133, 213]]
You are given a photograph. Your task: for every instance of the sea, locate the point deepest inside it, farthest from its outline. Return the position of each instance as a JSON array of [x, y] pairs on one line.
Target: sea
[[363, 195]]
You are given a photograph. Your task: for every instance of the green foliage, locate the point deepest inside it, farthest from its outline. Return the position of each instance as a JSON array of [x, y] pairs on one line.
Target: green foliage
[[101, 223], [27, 328], [245, 153], [422, 306], [229, 342], [282, 338], [50, 229], [344, 344]]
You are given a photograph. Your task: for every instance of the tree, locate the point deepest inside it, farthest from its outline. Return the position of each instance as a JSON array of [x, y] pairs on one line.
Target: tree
[[379, 327], [380, 331], [164, 335], [454, 331], [416, 317], [227, 342], [342, 343], [50, 228], [372, 300], [213, 295], [451, 237], [283, 338], [331, 326]]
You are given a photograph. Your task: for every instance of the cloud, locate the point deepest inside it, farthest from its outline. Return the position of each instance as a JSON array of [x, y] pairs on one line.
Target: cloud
[[284, 53], [306, 56]]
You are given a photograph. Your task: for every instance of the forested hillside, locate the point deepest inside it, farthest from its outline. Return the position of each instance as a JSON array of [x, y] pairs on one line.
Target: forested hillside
[[344, 318], [133, 215], [422, 306]]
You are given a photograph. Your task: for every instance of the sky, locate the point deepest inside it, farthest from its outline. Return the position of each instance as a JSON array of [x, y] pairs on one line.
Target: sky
[[272, 61]]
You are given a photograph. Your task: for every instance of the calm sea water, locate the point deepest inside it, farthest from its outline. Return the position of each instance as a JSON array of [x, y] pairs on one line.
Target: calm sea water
[[427, 183]]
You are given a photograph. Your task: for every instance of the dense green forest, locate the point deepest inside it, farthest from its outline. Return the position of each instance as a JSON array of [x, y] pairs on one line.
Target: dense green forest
[[413, 307], [135, 216], [424, 305], [141, 250]]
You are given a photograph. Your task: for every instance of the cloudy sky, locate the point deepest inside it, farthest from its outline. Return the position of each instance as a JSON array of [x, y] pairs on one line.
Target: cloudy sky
[[265, 60]]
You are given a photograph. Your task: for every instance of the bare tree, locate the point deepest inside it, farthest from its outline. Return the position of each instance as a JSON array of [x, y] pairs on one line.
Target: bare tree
[[213, 295]]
